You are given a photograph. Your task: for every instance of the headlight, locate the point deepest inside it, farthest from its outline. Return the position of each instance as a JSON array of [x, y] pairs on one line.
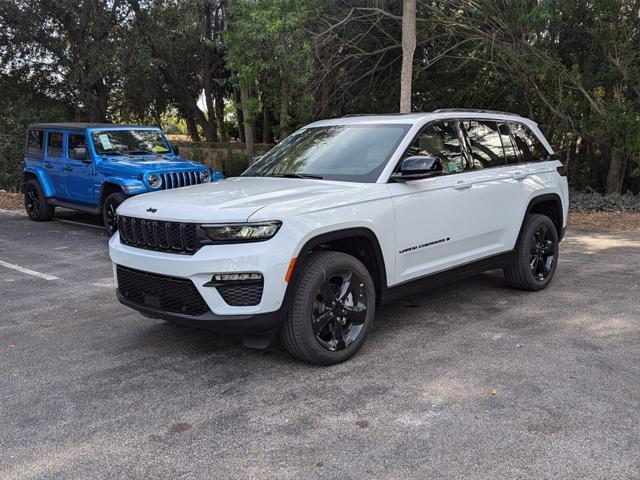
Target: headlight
[[241, 232], [154, 181], [205, 176]]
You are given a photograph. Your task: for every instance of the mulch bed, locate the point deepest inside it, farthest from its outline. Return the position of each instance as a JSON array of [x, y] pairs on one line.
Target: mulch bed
[[613, 222]]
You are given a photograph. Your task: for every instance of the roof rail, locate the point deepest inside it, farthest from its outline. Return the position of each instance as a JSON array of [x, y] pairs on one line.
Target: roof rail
[[473, 110]]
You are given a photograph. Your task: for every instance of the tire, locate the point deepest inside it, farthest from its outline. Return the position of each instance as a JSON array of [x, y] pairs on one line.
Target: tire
[[315, 329], [536, 255], [36, 203], [109, 207]]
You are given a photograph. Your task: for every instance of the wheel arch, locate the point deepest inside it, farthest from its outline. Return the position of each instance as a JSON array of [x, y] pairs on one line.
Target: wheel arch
[[107, 189], [549, 204], [37, 174], [360, 242]]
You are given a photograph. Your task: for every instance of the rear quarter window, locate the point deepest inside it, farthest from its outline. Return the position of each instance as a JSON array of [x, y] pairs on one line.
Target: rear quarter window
[[528, 146], [35, 140]]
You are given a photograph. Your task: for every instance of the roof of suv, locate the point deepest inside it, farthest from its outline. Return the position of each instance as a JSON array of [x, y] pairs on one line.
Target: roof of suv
[[420, 117], [82, 126]]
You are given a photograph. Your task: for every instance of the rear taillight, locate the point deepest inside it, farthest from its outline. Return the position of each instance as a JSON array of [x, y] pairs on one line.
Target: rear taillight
[[562, 170]]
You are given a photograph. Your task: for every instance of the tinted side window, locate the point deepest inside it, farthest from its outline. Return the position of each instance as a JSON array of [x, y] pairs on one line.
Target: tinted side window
[[485, 144], [54, 144], [529, 147], [75, 140], [440, 140], [509, 149], [35, 140]]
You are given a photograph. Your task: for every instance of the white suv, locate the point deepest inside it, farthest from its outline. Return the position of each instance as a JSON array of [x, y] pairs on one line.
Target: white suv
[[340, 217]]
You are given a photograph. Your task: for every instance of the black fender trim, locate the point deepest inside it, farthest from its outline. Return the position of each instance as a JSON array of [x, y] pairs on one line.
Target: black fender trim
[[380, 275], [547, 197]]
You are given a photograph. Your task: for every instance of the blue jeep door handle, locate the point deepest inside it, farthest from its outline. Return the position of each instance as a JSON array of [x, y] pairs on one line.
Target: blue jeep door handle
[[48, 165], [68, 169]]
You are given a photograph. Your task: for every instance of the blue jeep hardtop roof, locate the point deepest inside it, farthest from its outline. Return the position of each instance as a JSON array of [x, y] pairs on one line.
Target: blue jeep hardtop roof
[[84, 126]]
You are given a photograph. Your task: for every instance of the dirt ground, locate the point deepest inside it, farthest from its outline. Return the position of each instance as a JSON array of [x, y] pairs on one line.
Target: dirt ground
[[612, 222]]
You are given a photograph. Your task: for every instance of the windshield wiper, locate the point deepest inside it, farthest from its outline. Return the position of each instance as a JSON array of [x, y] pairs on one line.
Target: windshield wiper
[[297, 175]]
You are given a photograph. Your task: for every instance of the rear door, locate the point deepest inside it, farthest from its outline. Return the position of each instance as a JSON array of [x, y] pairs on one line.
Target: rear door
[[79, 173], [54, 162]]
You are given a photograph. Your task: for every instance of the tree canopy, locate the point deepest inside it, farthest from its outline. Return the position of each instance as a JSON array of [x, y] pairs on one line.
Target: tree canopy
[[270, 66]]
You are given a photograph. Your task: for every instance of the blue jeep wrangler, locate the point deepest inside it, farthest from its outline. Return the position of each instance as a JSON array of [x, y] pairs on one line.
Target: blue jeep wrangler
[[95, 167]]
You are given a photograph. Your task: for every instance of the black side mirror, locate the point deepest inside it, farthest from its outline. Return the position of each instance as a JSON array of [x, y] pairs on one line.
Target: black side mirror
[[176, 149], [417, 167], [80, 153]]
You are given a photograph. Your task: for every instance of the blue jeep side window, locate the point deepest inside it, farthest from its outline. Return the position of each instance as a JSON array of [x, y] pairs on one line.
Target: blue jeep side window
[[75, 140], [35, 139], [54, 145]]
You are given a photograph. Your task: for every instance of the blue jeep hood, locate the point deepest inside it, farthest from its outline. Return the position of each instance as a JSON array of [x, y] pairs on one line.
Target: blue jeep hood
[[147, 163]]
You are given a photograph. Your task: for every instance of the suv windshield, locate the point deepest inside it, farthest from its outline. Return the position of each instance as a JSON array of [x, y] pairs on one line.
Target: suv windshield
[[129, 142], [351, 153]]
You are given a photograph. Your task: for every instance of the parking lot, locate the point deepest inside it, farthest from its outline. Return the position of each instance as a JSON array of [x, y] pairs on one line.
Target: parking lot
[[471, 380]]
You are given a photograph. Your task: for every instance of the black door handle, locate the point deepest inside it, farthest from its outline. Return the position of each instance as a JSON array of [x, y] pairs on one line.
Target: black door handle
[[48, 165], [68, 169]]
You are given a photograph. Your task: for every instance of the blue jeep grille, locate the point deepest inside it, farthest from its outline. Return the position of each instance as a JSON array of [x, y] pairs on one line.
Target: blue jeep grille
[[179, 179], [174, 237]]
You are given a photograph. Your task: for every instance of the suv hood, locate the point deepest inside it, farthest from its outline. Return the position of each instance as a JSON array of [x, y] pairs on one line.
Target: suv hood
[[147, 163], [231, 200]]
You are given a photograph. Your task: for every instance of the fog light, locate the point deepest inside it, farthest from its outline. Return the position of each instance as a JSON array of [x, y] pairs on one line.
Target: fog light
[[226, 277]]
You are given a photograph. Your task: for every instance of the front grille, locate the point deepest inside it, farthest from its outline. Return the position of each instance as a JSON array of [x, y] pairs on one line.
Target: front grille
[[159, 235], [179, 179], [160, 292], [240, 295]]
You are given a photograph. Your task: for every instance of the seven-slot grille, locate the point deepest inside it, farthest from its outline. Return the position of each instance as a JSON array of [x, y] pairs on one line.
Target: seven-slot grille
[[174, 237], [160, 292], [179, 179]]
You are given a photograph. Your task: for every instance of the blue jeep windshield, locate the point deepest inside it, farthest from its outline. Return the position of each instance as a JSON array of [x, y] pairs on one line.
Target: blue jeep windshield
[[351, 153], [129, 142]]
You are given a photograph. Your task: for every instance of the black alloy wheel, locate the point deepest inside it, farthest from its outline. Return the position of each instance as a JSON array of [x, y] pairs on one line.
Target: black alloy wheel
[[35, 202], [536, 254], [330, 308], [109, 216], [542, 254], [340, 310], [32, 201]]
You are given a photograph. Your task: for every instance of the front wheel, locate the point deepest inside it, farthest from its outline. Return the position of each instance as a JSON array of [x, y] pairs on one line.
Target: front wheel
[[536, 255], [109, 207], [35, 202], [331, 310]]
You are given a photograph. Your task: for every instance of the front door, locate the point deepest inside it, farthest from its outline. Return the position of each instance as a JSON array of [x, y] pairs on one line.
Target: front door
[[79, 170], [54, 162], [452, 219]]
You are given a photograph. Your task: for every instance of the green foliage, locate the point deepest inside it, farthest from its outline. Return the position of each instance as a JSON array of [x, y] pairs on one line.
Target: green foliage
[[587, 202]]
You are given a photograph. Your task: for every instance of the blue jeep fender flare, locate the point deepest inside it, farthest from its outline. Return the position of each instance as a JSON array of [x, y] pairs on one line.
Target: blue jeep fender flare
[[42, 179], [129, 186]]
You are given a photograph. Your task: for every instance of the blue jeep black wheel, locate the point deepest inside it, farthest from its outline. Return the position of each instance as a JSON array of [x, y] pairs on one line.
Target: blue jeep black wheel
[[36, 203], [109, 207]]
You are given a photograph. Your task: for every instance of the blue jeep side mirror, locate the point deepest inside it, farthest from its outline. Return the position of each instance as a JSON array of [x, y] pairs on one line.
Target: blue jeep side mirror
[[79, 153]]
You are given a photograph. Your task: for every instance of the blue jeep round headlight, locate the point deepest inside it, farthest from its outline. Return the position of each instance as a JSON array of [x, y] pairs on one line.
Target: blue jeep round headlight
[[154, 181], [205, 176]]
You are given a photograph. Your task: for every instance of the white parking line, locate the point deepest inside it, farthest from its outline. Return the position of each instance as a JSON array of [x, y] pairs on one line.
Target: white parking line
[[28, 271]]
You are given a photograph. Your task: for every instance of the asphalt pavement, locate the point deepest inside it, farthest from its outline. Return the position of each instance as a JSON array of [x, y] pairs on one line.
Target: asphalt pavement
[[470, 380]]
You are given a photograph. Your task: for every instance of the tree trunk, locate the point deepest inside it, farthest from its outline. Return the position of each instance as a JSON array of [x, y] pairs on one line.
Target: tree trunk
[[266, 124], [617, 167], [207, 81], [219, 95], [239, 115], [249, 132], [284, 111], [192, 127], [408, 48]]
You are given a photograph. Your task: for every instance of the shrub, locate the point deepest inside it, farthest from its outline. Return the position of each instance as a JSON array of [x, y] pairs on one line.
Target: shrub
[[587, 202]]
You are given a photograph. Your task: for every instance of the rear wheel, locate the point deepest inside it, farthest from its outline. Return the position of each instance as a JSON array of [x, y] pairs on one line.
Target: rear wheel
[[36, 203], [537, 255], [109, 207], [331, 310]]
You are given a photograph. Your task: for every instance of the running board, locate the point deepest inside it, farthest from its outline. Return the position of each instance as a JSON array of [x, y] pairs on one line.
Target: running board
[[54, 202]]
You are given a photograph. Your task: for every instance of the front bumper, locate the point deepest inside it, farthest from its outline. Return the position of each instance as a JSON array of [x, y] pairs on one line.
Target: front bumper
[[270, 258]]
